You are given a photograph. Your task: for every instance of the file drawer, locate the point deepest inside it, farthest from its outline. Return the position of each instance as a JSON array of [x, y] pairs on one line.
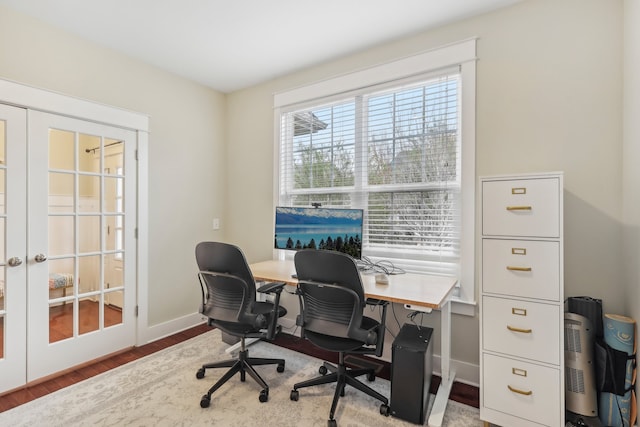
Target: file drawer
[[526, 208], [524, 390], [522, 328], [522, 300], [524, 268]]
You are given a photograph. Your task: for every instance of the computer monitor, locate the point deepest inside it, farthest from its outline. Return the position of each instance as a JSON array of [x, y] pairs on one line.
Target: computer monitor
[[319, 228]]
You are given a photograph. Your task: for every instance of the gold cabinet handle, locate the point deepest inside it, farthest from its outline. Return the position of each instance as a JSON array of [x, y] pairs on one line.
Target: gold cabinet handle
[[515, 390], [511, 268], [522, 331], [518, 208]]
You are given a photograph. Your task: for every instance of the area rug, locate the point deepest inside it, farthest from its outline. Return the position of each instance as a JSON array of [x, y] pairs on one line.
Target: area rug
[[162, 390]]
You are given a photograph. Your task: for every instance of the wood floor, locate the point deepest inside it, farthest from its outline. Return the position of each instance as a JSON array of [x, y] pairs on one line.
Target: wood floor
[[460, 392], [61, 320]]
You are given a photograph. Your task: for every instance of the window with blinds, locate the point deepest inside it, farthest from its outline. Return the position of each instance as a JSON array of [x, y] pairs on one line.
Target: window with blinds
[[393, 152]]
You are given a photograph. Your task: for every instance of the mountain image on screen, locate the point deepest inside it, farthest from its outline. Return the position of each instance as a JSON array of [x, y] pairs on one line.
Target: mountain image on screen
[[319, 228]]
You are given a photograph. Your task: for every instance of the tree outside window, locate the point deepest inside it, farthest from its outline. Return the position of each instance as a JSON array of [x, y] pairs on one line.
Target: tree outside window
[[395, 154]]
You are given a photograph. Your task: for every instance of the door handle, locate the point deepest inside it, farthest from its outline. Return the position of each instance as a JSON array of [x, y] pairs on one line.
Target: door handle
[[14, 261], [40, 258]]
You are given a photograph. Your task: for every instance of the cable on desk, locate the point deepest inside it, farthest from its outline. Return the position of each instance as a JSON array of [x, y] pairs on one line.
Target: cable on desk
[[365, 265], [412, 316]]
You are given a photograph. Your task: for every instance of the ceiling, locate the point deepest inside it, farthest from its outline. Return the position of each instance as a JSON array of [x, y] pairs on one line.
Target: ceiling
[[232, 44]]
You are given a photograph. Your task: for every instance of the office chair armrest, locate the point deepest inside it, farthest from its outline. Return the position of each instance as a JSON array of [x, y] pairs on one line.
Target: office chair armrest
[[271, 287], [381, 327]]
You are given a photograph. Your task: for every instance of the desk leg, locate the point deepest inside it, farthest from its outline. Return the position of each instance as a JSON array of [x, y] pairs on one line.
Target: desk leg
[[448, 374]]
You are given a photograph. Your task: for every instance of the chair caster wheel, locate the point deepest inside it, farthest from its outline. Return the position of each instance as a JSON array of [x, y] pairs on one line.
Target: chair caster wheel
[[264, 396], [205, 401], [200, 374], [371, 377], [280, 368], [332, 423], [295, 395], [385, 410], [322, 370]]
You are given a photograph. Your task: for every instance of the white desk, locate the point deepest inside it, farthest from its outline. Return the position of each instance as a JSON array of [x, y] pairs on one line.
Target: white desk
[[430, 292]]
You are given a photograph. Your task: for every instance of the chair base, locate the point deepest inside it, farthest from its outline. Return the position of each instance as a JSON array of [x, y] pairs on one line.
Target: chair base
[[342, 376], [243, 365]]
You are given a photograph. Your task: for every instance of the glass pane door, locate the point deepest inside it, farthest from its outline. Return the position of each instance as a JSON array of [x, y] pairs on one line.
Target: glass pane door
[[85, 217], [82, 241], [12, 247]]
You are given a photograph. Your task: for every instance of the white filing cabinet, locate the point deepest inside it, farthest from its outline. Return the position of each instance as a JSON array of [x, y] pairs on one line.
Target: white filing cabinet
[[521, 294]]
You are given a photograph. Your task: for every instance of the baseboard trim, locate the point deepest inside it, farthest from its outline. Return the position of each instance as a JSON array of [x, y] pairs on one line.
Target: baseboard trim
[[466, 373], [165, 329]]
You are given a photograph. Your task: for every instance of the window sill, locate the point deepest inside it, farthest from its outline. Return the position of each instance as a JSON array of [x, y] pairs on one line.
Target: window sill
[[466, 308]]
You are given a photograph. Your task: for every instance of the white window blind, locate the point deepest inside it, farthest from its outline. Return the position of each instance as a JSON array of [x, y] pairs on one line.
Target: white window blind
[[394, 152], [398, 141]]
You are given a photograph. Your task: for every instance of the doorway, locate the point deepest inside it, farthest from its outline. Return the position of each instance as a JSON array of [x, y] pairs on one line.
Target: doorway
[[68, 257]]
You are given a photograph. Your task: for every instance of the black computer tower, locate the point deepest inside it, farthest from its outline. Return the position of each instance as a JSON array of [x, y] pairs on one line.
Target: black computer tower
[[411, 367]]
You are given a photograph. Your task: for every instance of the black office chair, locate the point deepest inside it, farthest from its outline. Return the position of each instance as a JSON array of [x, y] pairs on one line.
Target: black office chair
[[332, 303], [229, 301]]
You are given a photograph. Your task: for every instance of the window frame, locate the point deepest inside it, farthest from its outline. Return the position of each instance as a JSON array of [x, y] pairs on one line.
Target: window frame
[[417, 67]]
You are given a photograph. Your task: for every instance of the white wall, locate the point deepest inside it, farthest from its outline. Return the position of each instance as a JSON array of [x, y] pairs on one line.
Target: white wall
[[631, 155], [549, 98], [187, 171]]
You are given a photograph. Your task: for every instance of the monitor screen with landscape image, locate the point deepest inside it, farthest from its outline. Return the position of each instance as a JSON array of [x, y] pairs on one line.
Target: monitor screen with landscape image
[[319, 228]]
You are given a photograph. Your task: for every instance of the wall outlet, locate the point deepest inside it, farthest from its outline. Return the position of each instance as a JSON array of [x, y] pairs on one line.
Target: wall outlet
[[216, 223]]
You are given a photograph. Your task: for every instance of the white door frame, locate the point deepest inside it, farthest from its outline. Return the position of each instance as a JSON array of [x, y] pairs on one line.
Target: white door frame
[[23, 96]]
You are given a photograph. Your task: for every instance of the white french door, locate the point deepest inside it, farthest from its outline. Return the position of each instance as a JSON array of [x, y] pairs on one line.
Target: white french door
[[78, 228], [67, 221], [13, 246]]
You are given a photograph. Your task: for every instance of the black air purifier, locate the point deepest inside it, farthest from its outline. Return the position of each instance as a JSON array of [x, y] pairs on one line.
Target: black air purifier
[[411, 367]]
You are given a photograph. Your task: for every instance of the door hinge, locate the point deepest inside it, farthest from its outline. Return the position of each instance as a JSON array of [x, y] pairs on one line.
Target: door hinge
[[136, 311], [136, 154], [135, 233]]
